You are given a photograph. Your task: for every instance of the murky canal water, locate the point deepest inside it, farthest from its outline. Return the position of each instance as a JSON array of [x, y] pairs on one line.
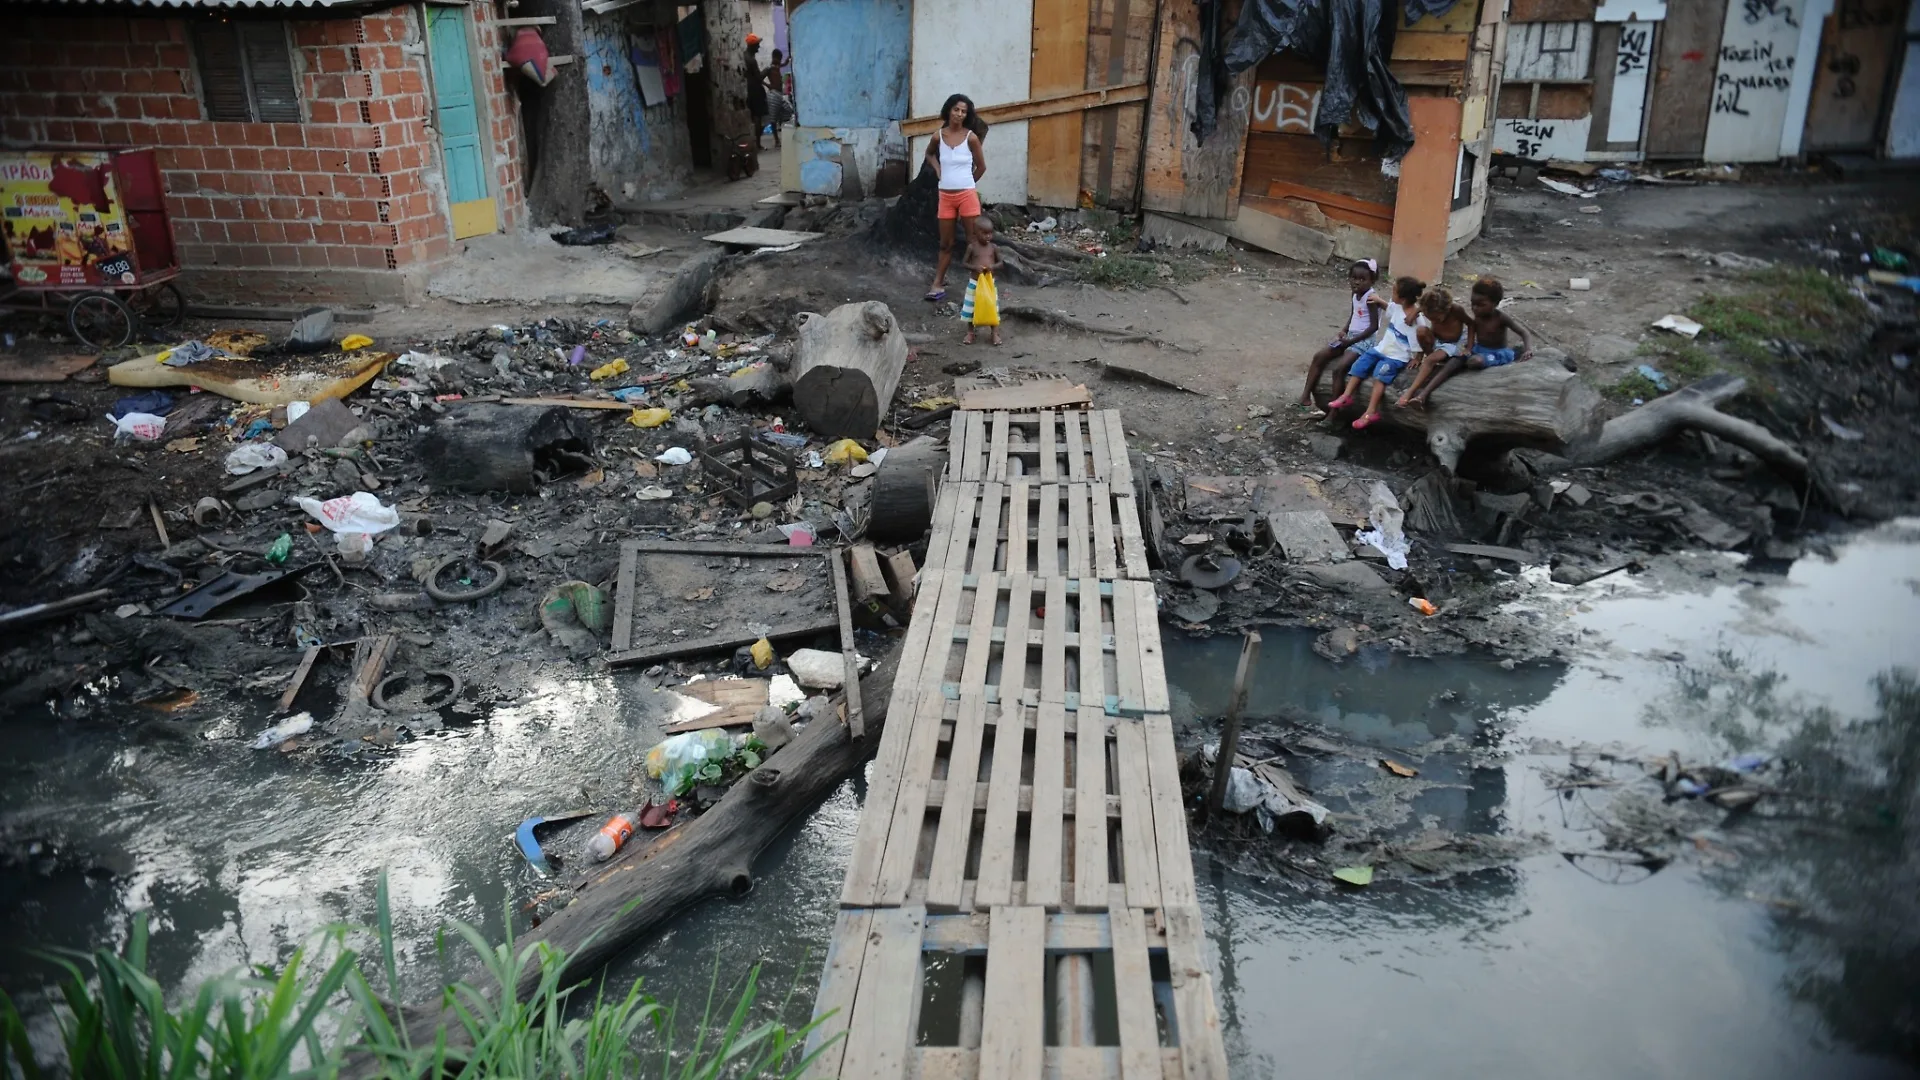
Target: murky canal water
[[1786, 950]]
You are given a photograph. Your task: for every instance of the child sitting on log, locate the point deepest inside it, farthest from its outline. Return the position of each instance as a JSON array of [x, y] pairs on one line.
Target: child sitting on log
[[1388, 355], [1450, 337], [1490, 348], [1363, 321]]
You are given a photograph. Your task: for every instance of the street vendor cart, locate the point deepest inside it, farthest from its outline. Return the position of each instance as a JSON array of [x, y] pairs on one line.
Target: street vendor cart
[[86, 235]]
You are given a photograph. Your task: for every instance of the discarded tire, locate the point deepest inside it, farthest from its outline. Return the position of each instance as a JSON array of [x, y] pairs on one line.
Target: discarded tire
[[467, 595], [903, 498]]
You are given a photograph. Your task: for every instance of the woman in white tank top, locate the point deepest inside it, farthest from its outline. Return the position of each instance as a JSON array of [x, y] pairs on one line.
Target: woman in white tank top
[[956, 154]]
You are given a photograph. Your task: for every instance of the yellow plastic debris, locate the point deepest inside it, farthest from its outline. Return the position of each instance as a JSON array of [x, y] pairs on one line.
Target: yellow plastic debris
[[845, 452], [608, 370], [650, 418], [762, 653], [935, 402], [355, 341]]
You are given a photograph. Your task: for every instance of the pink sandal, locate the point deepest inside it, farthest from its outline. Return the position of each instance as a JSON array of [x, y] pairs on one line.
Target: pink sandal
[[1340, 402], [1366, 421]]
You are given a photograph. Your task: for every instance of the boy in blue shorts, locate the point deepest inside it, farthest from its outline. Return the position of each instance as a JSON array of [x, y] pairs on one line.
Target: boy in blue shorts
[[1490, 329], [1389, 354]]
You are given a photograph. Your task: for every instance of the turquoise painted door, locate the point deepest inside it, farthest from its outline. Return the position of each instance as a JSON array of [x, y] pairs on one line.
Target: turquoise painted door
[[459, 122]]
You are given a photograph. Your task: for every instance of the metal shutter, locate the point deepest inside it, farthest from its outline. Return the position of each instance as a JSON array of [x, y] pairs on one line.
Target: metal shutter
[[276, 96]]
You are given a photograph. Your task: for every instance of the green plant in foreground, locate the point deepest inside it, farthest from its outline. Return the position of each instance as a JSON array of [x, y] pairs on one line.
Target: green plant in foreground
[[315, 1018], [1633, 385], [1802, 306]]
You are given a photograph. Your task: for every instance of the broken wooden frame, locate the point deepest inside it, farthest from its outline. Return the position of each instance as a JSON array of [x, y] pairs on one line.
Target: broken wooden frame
[[750, 472], [840, 620]]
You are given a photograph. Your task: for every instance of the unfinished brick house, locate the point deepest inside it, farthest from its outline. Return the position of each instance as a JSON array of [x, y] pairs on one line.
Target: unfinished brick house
[[310, 151]]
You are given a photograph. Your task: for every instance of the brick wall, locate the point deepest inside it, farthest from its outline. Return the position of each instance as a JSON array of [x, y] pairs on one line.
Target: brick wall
[[350, 205]]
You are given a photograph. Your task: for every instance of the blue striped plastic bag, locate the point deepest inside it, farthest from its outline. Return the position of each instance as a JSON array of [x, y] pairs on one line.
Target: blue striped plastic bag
[[966, 306]]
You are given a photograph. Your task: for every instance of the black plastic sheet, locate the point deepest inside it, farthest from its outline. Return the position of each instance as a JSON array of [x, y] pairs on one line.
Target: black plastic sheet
[[1350, 39]]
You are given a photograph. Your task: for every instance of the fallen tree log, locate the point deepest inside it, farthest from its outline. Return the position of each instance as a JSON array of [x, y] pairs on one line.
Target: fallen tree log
[[638, 890], [846, 367], [1693, 407], [1536, 403]]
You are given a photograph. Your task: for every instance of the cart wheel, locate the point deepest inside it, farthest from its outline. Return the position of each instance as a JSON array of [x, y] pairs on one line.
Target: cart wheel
[[100, 320], [160, 305]]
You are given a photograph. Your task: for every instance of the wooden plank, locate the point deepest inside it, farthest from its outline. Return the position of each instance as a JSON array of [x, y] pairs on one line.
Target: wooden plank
[[299, 679], [986, 530], [623, 600], [1053, 646], [1014, 1029], [865, 580], [975, 449], [939, 651], [1534, 11], [986, 598], [1049, 468], [1683, 74], [948, 869], [849, 657], [833, 1005], [1092, 657], [881, 1034], [654, 654], [997, 448], [863, 865], [1146, 628], [913, 652], [1126, 648], [1180, 174], [752, 692], [1033, 108], [1067, 931], [1026, 397], [730, 716], [1089, 822], [1046, 560], [1172, 852], [1013, 656], [956, 444], [1133, 996], [910, 805], [1202, 1054], [1122, 479], [1412, 46], [1078, 533], [1059, 66], [1046, 823], [752, 236], [997, 839], [1076, 462], [1139, 851], [1426, 188], [1133, 546], [959, 538], [1105, 564], [1017, 526]]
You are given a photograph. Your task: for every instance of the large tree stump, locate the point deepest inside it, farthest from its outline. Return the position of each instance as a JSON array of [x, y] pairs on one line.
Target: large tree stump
[[500, 447], [1536, 403], [846, 368]]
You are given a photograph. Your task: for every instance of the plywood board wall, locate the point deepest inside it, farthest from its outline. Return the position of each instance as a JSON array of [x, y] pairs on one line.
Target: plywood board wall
[[982, 49]]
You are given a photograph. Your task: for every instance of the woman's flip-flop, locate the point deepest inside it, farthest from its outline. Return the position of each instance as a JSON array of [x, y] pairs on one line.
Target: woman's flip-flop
[[1366, 421], [934, 296]]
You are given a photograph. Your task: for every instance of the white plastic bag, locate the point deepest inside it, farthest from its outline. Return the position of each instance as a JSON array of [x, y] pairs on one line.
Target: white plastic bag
[[1386, 517], [247, 457], [681, 761], [282, 731], [678, 455], [355, 513], [139, 425]]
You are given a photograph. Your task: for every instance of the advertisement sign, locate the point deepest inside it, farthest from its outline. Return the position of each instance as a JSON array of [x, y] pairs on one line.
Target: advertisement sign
[[63, 221]]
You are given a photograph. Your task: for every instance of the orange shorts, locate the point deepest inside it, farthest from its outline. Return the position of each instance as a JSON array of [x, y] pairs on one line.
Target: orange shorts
[[959, 204]]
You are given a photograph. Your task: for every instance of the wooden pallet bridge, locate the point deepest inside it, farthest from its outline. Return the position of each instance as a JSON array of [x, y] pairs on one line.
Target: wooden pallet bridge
[[1020, 901]]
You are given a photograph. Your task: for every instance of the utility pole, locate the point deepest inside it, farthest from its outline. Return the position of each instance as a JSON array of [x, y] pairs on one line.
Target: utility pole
[[1230, 729]]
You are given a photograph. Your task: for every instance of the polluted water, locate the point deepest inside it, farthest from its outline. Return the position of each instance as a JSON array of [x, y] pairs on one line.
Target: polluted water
[[1543, 898]]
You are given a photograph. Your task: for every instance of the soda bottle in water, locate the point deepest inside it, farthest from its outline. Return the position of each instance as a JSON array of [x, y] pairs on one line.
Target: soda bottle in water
[[611, 838]]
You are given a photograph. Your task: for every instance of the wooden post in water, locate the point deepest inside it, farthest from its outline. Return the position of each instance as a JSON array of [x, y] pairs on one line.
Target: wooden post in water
[[1230, 729]]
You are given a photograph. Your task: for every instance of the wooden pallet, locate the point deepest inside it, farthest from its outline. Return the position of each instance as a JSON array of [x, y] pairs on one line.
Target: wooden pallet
[[1047, 447], [1076, 530], [877, 985]]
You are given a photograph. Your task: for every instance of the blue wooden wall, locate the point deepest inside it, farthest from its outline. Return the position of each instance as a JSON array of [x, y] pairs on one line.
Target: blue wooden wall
[[850, 61]]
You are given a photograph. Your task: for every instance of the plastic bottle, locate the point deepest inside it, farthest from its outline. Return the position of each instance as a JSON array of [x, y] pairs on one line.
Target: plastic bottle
[[282, 547], [611, 838]]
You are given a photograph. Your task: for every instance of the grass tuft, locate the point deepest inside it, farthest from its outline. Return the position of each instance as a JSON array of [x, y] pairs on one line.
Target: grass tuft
[[319, 1011], [1119, 272], [1630, 386], [1782, 304]]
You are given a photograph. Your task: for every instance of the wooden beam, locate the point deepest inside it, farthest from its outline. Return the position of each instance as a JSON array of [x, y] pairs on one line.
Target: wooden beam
[[528, 20], [1037, 107]]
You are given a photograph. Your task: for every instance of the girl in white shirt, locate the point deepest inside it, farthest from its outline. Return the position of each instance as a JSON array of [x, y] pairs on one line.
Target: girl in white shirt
[[1389, 354], [1363, 321]]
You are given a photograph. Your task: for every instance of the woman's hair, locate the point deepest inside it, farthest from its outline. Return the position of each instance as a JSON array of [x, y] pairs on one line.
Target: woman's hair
[[973, 123], [1436, 300], [1408, 289], [1370, 266]]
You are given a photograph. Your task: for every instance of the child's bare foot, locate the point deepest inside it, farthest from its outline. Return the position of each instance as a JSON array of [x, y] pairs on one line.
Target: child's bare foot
[[1401, 401], [996, 335], [969, 340]]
